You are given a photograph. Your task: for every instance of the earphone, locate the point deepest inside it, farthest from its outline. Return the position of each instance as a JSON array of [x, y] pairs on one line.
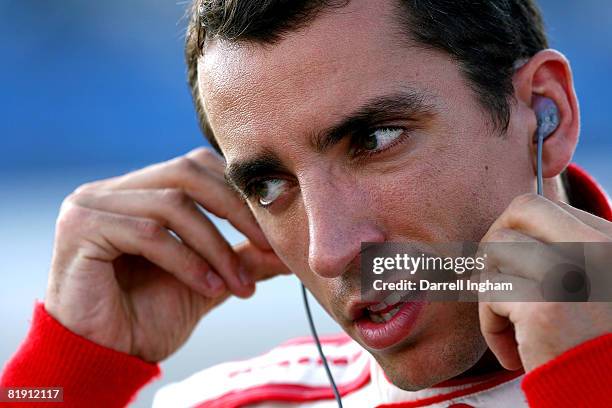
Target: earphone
[[547, 115]]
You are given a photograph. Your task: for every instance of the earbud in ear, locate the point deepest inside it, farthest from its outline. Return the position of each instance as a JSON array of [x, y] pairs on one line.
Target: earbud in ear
[[547, 114]]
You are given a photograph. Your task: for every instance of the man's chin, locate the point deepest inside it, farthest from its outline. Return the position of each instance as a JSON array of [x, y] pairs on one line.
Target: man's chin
[[416, 366]]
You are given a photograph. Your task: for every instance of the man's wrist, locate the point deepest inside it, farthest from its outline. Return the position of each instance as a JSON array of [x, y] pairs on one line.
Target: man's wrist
[[581, 376], [52, 355]]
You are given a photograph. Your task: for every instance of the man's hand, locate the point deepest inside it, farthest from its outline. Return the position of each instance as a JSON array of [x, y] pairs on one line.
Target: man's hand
[[528, 334], [136, 264]]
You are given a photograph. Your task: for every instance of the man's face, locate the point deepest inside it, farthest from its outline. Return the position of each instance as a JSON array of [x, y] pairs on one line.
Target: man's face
[[346, 131]]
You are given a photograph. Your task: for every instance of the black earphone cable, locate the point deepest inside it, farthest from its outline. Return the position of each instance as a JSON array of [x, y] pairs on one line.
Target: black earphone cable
[[318, 343], [539, 162]]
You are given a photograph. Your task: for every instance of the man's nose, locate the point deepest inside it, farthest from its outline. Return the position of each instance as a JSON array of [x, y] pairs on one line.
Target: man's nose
[[339, 220]]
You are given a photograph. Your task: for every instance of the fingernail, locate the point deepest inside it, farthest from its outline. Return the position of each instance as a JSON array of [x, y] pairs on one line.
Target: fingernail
[[214, 281], [245, 277]]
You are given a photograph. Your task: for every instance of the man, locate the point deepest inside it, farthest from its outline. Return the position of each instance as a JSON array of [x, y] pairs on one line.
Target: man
[[339, 122]]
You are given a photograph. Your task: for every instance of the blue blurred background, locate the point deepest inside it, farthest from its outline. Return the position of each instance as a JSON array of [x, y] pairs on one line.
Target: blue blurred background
[[94, 89]]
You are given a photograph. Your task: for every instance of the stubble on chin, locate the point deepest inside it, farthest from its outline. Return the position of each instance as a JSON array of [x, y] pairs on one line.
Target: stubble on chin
[[445, 350]]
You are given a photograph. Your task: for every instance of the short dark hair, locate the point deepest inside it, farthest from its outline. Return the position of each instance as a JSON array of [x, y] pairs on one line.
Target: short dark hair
[[485, 37]]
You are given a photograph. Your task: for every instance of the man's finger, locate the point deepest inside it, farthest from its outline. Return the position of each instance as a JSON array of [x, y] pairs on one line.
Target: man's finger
[[513, 252], [106, 236], [523, 289], [592, 220], [176, 211], [261, 264], [498, 332], [545, 221], [201, 177]]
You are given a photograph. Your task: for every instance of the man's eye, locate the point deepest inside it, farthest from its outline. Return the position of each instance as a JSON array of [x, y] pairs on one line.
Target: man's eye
[[380, 139], [266, 191]]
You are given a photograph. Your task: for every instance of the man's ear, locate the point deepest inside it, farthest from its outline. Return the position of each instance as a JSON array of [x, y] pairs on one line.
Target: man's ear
[[548, 74]]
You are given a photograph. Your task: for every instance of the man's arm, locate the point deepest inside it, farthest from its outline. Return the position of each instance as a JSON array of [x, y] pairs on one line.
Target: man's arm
[[135, 266], [90, 374], [580, 377]]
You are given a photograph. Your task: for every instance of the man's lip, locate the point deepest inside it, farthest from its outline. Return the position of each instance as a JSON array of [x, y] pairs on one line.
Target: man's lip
[[357, 309], [380, 336]]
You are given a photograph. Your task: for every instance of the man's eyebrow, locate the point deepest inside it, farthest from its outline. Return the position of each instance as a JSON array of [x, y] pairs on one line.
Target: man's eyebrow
[[409, 103], [406, 104], [241, 173]]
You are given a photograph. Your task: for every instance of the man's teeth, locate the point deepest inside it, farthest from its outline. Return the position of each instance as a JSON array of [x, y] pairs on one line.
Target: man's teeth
[[378, 307], [389, 300], [383, 317]]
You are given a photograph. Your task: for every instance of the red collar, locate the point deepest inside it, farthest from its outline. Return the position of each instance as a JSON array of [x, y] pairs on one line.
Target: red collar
[[586, 194]]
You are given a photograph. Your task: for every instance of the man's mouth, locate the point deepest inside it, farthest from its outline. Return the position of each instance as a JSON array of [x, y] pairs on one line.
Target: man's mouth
[[388, 322], [381, 313]]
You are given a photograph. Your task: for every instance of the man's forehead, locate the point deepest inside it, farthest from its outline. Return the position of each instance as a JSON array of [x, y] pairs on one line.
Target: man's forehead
[[253, 93]]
